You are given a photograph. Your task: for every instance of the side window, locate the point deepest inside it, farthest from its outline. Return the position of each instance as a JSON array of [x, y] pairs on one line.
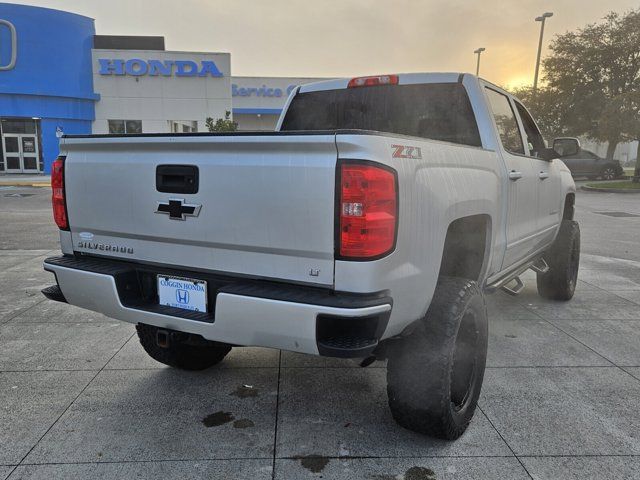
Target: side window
[[506, 122], [125, 126], [535, 141]]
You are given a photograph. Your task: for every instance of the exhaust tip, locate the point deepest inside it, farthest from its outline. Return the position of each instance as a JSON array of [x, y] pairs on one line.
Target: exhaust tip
[[368, 361]]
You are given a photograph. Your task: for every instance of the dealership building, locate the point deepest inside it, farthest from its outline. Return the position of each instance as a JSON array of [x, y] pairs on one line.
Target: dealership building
[[58, 77]]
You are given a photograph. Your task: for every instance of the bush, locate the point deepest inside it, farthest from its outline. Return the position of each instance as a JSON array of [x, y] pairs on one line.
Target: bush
[[221, 124]]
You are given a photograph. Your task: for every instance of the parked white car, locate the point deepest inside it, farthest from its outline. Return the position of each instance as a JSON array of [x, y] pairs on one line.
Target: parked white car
[[369, 226]]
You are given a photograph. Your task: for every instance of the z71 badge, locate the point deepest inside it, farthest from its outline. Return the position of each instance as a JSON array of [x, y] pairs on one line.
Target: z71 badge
[[406, 151]]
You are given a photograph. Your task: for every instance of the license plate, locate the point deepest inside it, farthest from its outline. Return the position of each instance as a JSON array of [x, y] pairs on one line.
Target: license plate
[[185, 293]]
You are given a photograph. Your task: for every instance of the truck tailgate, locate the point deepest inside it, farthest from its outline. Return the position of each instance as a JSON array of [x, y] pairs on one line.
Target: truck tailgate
[[267, 202]]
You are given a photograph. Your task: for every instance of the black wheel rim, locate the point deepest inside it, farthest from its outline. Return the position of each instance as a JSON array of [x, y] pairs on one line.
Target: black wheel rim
[[465, 362]]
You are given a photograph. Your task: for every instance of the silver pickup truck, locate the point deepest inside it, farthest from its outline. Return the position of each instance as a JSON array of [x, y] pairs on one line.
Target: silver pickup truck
[[369, 225]]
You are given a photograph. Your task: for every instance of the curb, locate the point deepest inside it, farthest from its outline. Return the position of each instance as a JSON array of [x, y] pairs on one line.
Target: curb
[[25, 184], [609, 190]]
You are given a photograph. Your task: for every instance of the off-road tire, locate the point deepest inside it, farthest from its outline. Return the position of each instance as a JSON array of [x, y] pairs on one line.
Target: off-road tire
[[432, 387], [184, 351], [563, 258]]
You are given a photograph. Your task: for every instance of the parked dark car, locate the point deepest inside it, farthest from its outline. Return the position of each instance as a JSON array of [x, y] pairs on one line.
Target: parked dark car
[[588, 164]]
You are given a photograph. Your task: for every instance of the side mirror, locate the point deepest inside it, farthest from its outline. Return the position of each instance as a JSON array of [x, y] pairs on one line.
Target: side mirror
[[566, 146]]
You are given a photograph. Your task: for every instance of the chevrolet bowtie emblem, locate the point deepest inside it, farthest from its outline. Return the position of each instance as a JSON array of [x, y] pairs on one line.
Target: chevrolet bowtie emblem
[[177, 209]]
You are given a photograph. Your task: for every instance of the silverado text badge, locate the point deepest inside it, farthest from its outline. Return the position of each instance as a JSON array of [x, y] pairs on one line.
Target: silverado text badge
[[177, 209], [105, 247]]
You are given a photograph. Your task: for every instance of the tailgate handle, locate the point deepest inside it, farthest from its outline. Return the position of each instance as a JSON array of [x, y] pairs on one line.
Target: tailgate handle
[[177, 178]]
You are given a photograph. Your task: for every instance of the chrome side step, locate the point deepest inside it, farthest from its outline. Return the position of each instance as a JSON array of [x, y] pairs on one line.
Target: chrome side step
[[516, 289], [540, 266]]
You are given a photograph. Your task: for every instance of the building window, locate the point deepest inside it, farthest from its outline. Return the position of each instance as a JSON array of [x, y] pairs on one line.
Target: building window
[[18, 125], [183, 126], [125, 126]]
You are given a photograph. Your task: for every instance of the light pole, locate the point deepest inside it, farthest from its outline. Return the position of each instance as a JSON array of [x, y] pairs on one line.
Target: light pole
[[478, 52], [540, 19]]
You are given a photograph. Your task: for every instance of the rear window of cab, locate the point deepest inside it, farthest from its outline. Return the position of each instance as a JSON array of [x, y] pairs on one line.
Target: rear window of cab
[[436, 111]]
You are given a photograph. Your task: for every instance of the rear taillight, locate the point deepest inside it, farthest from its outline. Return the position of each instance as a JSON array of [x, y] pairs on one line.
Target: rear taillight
[[57, 198], [373, 81], [368, 210]]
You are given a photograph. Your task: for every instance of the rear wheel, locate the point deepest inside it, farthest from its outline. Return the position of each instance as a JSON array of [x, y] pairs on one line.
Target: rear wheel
[[434, 375], [608, 173], [180, 350], [563, 258]]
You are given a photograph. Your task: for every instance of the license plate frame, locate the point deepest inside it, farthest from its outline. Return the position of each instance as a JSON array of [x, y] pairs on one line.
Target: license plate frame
[[191, 297]]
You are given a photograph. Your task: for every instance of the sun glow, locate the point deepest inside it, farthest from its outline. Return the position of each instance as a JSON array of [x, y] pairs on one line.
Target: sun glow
[[518, 81]]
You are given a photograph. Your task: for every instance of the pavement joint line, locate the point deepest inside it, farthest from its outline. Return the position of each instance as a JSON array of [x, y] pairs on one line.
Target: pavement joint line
[[609, 291], [10, 269], [590, 319], [70, 404], [24, 252], [159, 460], [629, 373], [620, 290], [275, 432], [505, 441], [151, 369], [43, 322], [320, 367], [521, 367], [16, 264], [294, 458], [582, 343], [540, 367], [20, 312], [586, 455], [49, 370]]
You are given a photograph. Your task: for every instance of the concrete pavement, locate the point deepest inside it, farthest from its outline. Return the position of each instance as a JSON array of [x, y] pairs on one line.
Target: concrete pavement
[[80, 399], [21, 180]]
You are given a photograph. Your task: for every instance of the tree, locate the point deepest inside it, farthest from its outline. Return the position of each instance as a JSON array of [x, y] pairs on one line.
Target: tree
[[587, 69], [623, 115], [549, 110], [221, 124]]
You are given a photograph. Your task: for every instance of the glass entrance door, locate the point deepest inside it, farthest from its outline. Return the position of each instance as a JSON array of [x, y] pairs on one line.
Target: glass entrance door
[[20, 153], [30, 156], [11, 149]]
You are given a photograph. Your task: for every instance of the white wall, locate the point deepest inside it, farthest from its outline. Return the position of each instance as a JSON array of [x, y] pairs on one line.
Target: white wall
[[256, 121], [253, 96], [157, 99]]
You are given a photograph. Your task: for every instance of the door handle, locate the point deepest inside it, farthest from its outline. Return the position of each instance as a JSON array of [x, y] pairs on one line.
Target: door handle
[[543, 175], [177, 178], [514, 175]]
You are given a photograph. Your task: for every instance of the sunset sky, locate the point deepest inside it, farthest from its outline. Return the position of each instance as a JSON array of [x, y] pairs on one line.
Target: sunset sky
[[350, 37]]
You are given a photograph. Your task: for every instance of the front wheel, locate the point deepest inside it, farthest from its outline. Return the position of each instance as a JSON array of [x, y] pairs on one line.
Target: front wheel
[[563, 258], [434, 375]]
